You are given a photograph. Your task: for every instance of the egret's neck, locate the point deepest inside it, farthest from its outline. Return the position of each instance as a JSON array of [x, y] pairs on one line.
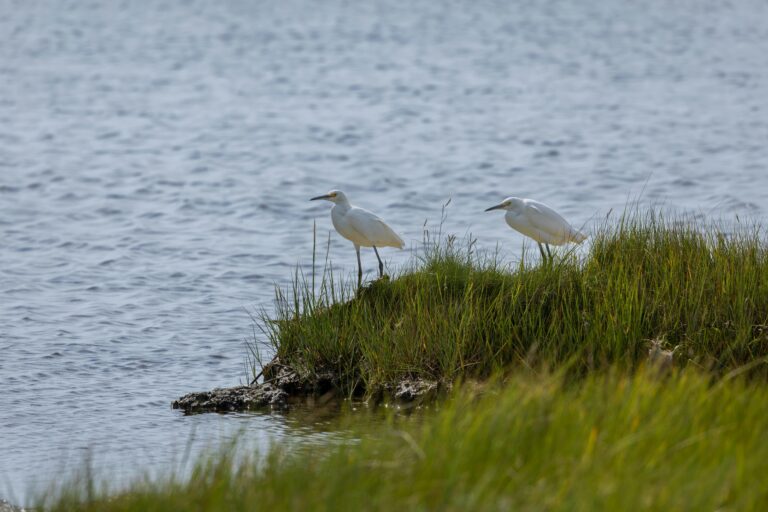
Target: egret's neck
[[342, 205]]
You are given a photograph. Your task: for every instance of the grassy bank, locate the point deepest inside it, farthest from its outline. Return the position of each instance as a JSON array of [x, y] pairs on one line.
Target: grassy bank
[[457, 315], [611, 442]]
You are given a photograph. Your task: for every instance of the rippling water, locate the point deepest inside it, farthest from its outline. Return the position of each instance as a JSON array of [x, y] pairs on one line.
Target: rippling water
[[156, 159]]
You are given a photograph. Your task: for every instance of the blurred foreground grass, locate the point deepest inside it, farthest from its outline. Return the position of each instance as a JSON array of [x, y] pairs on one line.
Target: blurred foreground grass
[[610, 442]]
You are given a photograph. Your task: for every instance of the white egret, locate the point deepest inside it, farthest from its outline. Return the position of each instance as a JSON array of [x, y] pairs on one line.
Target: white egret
[[361, 227], [540, 222]]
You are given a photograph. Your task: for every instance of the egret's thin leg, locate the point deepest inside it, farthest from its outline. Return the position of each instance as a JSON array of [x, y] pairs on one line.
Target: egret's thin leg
[[548, 252], [359, 267], [381, 264], [541, 250]]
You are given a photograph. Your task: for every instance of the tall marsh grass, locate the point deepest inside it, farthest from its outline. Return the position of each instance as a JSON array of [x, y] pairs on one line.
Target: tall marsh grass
[[456, 313]]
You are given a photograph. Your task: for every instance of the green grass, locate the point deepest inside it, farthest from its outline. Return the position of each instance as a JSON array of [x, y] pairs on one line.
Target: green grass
[[609, 442], [458, 315]]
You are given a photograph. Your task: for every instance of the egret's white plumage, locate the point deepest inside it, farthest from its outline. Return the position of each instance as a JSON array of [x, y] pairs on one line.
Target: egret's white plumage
[[361, 227], [538, 221]]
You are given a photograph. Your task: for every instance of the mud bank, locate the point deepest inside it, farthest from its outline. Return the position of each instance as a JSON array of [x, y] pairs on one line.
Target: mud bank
[[283, 386]]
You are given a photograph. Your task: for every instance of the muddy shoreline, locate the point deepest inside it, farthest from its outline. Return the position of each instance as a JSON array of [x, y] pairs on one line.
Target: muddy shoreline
[[283, 386]]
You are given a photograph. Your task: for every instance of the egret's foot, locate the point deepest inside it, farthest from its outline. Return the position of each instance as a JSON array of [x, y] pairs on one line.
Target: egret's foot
[[384, 277]]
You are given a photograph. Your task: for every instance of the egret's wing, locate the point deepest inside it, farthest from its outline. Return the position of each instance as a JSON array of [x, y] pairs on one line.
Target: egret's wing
[[373, 228], [544, 218]]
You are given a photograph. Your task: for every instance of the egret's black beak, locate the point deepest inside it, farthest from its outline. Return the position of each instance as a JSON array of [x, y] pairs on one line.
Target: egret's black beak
[[497, 207], [326, 196]]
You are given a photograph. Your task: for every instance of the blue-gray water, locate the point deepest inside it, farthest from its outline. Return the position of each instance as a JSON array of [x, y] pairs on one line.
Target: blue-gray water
[[156, 159]]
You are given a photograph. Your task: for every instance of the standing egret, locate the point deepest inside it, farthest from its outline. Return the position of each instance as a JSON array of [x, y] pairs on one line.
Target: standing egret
[[540, 222], [361, 227]]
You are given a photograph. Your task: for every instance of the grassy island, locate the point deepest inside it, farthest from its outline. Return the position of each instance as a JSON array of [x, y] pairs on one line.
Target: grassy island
[[632, 376], [646, 283]]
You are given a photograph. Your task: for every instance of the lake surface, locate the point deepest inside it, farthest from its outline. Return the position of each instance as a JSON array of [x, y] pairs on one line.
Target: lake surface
[[156, 159]]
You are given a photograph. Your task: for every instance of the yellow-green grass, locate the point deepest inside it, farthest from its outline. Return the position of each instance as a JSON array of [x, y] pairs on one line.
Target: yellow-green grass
[[456, 315], [611, 441]]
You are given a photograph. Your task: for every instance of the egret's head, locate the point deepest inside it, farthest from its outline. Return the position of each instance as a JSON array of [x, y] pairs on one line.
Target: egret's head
[[504, 205], [334, 196]]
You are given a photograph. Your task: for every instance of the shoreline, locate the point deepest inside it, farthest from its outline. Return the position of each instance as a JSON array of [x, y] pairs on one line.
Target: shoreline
[[284, 386]]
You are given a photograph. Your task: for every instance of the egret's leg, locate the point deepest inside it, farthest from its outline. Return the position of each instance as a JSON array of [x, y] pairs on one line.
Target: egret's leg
[[359, 267], [381, 264], [548, 252], [541, 250]]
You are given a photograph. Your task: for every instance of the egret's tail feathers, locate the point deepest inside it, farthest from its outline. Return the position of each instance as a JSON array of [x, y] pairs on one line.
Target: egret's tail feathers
[[579, 237], [399, 244]]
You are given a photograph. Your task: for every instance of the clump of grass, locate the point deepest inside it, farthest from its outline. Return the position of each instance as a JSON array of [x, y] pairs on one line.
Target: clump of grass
[[459, 314], [611, 442]]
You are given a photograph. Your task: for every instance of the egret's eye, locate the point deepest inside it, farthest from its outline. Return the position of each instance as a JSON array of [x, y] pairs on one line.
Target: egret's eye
[[333, 195]]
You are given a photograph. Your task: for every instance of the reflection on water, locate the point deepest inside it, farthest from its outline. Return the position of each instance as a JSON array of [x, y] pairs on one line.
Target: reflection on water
[[315, 422], [156, 159]]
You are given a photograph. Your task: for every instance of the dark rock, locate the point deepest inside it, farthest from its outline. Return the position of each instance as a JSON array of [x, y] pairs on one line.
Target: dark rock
[[284, 385], [241, 398], [409, 390], [287, 379], [281, 384]]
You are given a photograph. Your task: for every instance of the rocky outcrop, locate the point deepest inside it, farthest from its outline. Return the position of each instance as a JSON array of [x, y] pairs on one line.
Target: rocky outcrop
[[283, 385], [409, 390], [241, 398]]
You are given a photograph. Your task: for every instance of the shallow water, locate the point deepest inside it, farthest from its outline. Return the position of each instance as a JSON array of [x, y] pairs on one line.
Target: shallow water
[[156, 159]]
